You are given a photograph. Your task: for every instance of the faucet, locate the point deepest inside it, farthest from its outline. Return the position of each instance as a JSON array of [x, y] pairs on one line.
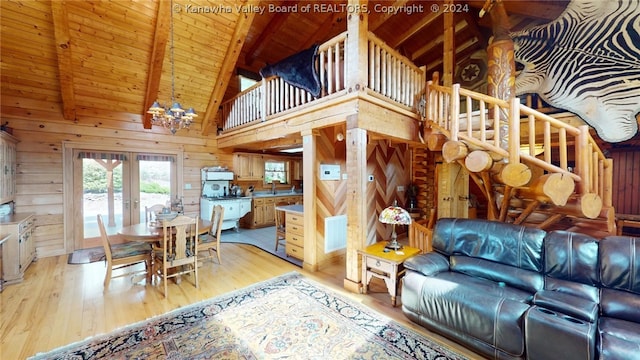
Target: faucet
[[273, 187]]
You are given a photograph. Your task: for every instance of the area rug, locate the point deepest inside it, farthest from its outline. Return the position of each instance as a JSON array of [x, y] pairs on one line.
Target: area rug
[[86, 256], [287, 317]]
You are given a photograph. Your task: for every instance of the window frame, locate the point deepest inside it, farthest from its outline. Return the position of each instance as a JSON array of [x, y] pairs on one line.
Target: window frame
[[285, 172]]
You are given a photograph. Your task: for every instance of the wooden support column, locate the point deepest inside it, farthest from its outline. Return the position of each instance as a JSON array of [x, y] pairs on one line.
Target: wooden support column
[[356, 47], [357, 228], [309, 142], [356, 80], [448, 52]]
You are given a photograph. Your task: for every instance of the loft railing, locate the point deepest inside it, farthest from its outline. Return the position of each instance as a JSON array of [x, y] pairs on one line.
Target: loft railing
[[393, 75], [495, 125], [390, 76]]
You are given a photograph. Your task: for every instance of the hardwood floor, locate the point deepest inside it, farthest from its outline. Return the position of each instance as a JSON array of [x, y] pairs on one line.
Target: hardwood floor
[[58, 303]]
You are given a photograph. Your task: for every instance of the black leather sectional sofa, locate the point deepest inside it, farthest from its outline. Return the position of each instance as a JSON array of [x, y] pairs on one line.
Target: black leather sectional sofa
[[514, 292]]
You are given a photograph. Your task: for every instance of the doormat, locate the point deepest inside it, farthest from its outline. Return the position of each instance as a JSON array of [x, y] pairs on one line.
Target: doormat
[[86, 256]]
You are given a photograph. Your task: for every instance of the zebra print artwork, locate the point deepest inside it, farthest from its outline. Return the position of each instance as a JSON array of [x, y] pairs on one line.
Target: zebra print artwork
[[588, 62]]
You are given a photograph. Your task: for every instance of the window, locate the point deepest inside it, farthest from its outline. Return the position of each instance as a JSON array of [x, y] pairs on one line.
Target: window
[[247, 79], [275, 170]]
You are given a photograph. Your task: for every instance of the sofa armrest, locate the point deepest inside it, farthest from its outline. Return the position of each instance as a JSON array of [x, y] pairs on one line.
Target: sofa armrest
[[428, 264], [580, 308]]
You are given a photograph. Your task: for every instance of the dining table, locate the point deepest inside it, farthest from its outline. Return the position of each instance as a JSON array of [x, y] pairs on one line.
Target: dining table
[[152, 233]]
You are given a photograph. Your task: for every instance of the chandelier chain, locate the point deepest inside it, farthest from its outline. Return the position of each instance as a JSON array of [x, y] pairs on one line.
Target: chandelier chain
[[173, 116]]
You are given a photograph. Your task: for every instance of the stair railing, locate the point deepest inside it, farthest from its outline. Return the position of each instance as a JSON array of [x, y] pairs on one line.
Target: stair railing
[[494, 125]]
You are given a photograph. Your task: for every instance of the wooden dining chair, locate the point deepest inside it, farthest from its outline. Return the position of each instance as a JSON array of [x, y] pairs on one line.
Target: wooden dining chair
[[209, 243], [281, 233], [120, 256], [150, 211], [179, 252]]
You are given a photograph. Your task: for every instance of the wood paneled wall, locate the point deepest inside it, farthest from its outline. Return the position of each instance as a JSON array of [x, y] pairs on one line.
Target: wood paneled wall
[[626, 174], [390, 165], [40, 166], [331, 194]]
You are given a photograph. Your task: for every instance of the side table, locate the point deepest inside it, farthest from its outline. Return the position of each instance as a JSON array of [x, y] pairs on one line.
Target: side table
[[387, 266]]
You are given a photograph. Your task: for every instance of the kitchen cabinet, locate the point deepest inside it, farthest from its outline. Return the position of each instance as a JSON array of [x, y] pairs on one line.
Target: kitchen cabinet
[[294, 231], [18, 251], [263, 210], [7, 167], [248, 166], [296, 169]]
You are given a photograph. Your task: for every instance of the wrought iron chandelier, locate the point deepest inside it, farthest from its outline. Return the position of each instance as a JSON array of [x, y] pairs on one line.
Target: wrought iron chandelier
[[175, 117]]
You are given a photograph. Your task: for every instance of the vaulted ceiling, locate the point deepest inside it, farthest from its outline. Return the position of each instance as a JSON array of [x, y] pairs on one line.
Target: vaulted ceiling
[[106, 61]]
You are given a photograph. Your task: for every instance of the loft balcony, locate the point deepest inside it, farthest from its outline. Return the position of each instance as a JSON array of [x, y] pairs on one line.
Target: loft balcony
[[387, 87]]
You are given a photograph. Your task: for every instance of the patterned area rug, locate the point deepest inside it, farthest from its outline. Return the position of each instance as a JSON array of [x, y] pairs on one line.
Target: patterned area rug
[[287, 317], [86, 256]]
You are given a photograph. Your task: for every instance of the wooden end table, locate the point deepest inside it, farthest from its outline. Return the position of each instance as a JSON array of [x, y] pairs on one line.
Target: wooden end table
[[387, 266]]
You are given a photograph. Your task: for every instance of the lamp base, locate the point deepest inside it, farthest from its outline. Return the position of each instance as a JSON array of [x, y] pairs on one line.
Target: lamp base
[[393, 245]]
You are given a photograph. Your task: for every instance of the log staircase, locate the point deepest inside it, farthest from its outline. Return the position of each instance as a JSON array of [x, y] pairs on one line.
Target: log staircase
[[532, 168]]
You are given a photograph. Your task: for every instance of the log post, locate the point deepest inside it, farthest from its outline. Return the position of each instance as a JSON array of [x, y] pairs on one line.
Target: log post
[[515, 174], [478, 161], [555, 188], [435, 141], [454, 150]]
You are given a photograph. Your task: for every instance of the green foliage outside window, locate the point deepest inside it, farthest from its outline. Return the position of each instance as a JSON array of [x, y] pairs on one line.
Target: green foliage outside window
[[95, 179], [275, 170]]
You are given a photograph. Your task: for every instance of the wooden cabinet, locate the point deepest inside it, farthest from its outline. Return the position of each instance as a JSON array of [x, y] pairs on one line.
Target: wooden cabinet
[[263, 210], [7, 167], [296, 169], [294, 246], [19, 250], [248, 166]]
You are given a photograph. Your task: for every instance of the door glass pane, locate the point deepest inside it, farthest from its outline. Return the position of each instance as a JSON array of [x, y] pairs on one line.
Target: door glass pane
[[102, 194], [155, 183]]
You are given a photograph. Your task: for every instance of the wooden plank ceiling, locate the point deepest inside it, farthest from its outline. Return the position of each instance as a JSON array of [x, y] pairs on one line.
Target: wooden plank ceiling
[[106, 61]]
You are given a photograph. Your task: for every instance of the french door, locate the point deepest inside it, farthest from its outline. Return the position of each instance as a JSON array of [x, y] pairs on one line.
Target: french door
[[118, 185]]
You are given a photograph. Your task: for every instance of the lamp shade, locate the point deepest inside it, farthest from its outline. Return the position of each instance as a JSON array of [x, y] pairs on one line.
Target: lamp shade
[[395, 215]]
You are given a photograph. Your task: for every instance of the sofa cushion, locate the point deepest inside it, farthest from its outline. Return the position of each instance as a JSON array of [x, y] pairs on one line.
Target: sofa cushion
[[509, 244], [618, 339], [620, 304], [620, 263], [526, 280], [476, 307], [428, 264], [571, 264]]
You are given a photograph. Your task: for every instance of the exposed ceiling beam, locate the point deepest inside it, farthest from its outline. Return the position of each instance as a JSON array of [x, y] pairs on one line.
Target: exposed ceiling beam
[[65, 66], [544, 9], [437, 42], [375, 23], [273, 27], [401, 38], [325, 28], [228, 66], [160, 38]]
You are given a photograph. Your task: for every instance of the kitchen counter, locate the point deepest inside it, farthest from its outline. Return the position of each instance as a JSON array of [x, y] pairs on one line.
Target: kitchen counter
[[287, 193], [298, 209], [14, 218]]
